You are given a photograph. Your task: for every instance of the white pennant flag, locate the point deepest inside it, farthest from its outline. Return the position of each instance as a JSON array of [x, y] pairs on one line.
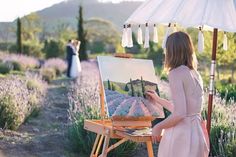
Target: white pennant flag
[[140, 35], [200, 41], [155, 35], [225, 42], [166, 36], [129, 38], [146, 42], [124, 37]]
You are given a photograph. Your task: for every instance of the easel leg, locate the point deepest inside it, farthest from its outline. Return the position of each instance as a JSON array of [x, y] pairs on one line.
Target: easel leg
[[149, 149], [99, 145], [95, 145], [105, 146]]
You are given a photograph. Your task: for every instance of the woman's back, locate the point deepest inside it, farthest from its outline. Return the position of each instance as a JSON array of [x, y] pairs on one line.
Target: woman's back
[[186, 138], [193, 88]]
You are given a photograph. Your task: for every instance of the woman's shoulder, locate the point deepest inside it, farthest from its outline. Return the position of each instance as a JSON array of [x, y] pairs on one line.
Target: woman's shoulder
[[180, 70]]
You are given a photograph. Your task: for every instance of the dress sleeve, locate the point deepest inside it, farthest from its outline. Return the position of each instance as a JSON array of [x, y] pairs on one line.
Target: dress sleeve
[[178, 93]]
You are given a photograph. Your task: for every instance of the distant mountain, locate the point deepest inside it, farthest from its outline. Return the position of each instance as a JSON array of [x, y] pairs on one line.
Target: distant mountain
[[68, 11]]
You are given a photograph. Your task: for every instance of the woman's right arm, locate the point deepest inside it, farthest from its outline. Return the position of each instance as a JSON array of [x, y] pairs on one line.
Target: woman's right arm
[[153, 97], [166, 104], [176, 81]]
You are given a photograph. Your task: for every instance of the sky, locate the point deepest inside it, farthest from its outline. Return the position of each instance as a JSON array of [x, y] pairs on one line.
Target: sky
[[119, 70], [11, 9]]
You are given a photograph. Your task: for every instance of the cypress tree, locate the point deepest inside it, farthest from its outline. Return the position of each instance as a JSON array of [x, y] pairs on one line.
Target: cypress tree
[[113, 87], [19, 36], [143, 87], [126, 88], [132, 87], [109, 85], [82, 35]]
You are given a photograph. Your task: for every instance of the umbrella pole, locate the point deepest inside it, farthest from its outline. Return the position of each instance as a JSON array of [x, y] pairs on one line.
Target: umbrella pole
[[212, 77]]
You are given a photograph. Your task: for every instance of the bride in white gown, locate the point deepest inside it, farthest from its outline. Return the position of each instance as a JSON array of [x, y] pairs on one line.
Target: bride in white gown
[[75, 66]]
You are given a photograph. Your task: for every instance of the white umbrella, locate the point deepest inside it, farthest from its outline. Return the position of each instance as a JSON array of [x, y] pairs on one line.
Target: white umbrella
[[204, 14], [188, 13]]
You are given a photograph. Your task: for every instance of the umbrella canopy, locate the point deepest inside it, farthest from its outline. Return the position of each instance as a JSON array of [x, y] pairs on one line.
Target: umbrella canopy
[[204, 14], [219, 14]]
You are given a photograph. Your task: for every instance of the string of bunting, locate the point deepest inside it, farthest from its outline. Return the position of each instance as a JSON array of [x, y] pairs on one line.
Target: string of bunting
[[127, 38]]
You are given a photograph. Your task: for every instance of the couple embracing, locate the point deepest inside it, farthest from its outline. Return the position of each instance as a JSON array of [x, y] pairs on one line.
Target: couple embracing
[[74, 66]]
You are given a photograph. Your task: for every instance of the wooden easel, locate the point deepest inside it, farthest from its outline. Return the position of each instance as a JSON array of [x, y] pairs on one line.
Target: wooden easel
[[107, 129]]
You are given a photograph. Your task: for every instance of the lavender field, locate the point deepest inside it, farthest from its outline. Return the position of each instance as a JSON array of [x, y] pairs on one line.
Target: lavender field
[[42, 112]]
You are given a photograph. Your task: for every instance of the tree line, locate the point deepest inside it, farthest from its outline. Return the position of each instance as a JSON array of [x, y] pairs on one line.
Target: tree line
[[31, 40]]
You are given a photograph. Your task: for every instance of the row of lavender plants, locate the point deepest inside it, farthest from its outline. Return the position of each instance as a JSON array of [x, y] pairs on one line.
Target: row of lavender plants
[[49, 69], [18, 61], [84, 102], [20, 96], [22, 93], [222, 137], [53, 68]]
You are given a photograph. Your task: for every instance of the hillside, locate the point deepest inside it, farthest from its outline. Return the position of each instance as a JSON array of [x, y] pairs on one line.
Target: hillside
[[68, 11]]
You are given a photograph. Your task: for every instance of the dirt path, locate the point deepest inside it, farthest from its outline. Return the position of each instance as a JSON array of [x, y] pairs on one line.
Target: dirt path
[[44, 135]]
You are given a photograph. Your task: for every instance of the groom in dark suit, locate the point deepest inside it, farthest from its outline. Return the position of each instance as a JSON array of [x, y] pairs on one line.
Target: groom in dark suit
[[69, 53]]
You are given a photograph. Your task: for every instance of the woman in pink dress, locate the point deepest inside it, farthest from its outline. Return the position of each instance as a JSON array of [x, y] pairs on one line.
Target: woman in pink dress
[[183, 134]]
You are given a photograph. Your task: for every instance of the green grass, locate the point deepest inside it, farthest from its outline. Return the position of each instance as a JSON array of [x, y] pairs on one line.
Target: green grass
[[2, 76], [119, 87], [14, 72]]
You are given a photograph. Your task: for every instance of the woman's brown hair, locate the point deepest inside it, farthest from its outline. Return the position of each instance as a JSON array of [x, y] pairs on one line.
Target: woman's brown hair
[[180, 51]]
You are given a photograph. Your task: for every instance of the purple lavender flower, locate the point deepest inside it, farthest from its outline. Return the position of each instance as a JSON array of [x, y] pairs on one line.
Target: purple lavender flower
[[56, 63], [26, 61]]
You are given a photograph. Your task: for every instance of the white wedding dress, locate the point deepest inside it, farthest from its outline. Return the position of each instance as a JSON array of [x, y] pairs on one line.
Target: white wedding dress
[[75, 66]]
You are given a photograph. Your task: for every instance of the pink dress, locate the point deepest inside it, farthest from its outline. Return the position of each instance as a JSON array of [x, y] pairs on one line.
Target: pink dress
[[186, 139]]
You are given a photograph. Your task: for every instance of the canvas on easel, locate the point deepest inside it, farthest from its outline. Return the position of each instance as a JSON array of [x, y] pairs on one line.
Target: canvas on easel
[[124, 83], [125, 112]]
